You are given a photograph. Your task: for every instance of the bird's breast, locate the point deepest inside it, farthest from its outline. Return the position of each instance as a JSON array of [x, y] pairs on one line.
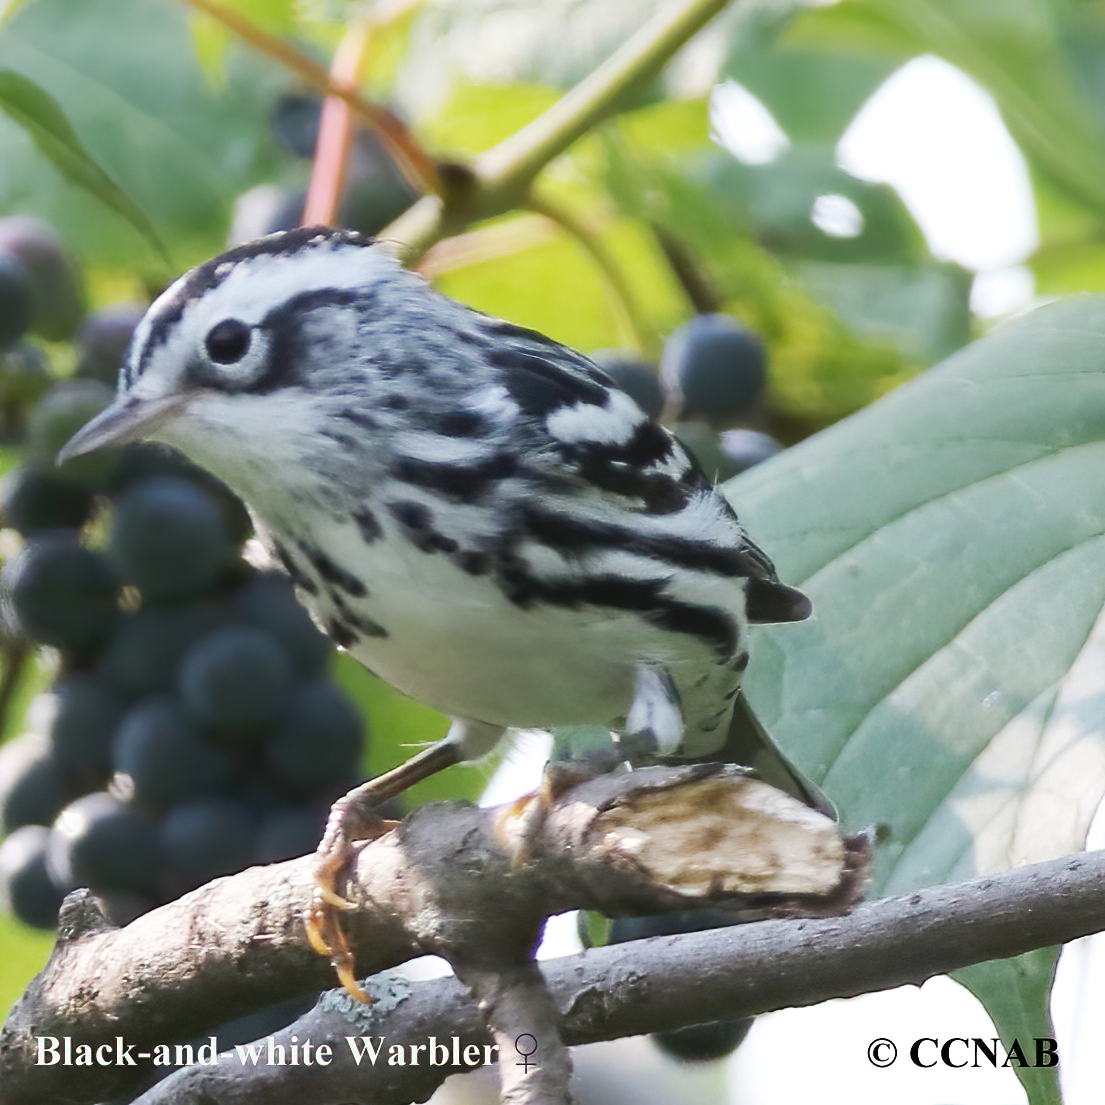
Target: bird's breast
[[456, 640]]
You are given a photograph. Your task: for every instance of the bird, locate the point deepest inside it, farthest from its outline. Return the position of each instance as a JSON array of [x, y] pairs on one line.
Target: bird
[[475, 512]]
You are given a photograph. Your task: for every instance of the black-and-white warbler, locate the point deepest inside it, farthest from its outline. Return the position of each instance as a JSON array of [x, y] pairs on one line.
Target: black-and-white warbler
[[474, 511]]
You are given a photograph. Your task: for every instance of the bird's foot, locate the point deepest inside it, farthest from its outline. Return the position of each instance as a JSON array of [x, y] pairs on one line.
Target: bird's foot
[[352, 822], [519, 825]]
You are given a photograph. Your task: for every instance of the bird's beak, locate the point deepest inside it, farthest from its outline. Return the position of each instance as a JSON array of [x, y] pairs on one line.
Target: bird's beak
[[127, 419]]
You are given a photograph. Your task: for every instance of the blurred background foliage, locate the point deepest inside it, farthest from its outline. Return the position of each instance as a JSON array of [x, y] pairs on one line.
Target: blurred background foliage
[[193, 133]]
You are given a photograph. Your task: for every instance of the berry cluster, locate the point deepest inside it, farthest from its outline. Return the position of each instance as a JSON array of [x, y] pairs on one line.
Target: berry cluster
[[712, 375], [191, 729]]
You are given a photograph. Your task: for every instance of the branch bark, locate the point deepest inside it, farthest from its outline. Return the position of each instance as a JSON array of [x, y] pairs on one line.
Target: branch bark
[[668, 982], [447, 881]]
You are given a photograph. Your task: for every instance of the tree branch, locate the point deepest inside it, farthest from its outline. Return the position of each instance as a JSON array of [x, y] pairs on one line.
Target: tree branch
[[512, 165], [500, 179], [668, 982], [447, 881]]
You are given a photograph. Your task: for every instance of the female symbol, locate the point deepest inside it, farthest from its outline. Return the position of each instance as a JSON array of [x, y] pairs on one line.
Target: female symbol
[[524, 1064]]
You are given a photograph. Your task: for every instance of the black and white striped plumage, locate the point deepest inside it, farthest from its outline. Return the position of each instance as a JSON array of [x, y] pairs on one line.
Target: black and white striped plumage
[[472, 510]]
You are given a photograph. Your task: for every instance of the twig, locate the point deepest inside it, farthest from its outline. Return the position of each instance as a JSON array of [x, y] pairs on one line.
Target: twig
[[334, 132], [704, 297], [621, 295], [415, 163], [501, 177]]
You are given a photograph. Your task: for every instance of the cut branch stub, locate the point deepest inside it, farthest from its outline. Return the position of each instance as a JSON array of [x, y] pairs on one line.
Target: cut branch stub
[[705, 835]]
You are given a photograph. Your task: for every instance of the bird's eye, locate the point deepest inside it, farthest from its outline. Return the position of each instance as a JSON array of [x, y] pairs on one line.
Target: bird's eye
[[228, 341]]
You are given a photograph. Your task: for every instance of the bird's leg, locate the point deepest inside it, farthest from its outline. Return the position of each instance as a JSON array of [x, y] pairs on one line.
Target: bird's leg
[[654, 724], [353, 819], [653, 727]]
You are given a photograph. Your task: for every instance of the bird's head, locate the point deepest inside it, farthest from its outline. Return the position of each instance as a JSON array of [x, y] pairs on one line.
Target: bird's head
[[230, 351]]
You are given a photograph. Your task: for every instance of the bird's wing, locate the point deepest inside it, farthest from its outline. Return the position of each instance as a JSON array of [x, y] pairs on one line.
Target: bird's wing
[[590, 432]]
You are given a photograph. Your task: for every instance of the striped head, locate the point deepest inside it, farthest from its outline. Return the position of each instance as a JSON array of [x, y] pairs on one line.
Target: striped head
[[236, 346]]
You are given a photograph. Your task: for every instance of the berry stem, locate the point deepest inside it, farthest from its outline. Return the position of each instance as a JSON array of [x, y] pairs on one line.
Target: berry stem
[[334, 131], [412, 159], [620, 294], [486, 243]]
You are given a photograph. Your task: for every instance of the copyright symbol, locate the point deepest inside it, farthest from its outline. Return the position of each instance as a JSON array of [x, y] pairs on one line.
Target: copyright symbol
[[881, 1052]]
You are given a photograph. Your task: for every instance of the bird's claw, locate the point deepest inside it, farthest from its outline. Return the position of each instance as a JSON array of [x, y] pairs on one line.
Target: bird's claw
[[519, 824], [351, 822]]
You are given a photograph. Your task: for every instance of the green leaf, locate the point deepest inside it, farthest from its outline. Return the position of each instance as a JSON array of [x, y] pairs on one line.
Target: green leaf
[[211, 37], [924, 311], [1016, 994], [479, 116], [778, 200], [8, 8], [952, 538], [25, 953], [41, 116], [146, 115], [812, 94]]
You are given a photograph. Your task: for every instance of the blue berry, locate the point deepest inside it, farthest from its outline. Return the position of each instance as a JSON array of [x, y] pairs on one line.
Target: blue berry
[[319, 741], [57, 290], [290, 831], [204, 839], [100, 842], [635, 377], [62, 594], [237, 683], [16, 299], [83, 713], [165, 756], [32, 784], [268, 602], [714, 368], [103, 340], [34, 498], [294, 123], [26, 889], [169, 539], [144, 653], [57, 416]]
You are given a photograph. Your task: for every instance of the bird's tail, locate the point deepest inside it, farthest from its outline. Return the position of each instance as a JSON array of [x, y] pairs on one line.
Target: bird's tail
[[750, 745]]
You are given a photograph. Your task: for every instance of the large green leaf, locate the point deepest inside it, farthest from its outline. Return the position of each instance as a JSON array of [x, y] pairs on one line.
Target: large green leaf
[[1016, 996], [952, 538], [39, 114]]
